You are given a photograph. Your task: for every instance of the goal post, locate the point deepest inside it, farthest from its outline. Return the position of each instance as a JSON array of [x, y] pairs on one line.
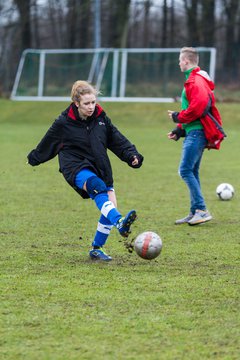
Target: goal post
[[140, 75]]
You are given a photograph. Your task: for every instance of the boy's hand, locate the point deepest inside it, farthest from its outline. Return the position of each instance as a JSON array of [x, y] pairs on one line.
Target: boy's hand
[[172, 136], [170, 112]]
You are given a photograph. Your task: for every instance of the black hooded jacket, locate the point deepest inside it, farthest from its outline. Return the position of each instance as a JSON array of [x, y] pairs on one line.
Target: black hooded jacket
[[83, 144]]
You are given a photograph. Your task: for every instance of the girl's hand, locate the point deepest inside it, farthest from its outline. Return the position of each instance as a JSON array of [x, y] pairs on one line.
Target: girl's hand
[[135, 161]]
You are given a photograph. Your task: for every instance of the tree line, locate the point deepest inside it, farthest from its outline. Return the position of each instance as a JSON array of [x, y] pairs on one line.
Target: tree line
[[118, 24]]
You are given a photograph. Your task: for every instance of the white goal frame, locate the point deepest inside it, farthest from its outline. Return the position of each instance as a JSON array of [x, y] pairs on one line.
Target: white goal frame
[[118, 90]]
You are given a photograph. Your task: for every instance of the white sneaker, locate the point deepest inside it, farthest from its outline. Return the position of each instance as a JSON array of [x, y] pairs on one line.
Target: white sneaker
[[184, 220], [200, 216]]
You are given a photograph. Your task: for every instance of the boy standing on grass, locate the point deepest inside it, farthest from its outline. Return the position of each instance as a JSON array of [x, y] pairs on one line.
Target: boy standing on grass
[[80, 137], [200, 122]]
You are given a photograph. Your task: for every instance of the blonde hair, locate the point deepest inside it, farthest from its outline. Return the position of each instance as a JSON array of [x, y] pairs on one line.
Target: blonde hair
[[191, 54], [81, 87]]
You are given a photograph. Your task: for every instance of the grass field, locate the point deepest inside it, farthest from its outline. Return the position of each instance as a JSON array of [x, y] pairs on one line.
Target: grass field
[[57, 304]]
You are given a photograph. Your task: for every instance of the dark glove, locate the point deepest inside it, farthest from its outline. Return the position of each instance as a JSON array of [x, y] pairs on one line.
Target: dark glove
[[175, 117], [179, 132]]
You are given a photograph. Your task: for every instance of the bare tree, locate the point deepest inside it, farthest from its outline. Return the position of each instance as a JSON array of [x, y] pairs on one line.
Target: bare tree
[[55, 24], [231, 8], [25, 22], [146, 25], [172, 24], [9, 45], [135, 26], [208, 22], [85, 28], [79, 30], [191, 9], [116, 31], [164, 25], [35, 28]]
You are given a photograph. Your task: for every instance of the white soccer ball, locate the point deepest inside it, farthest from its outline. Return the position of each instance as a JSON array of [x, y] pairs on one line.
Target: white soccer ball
[[225, 191], [148, 245]]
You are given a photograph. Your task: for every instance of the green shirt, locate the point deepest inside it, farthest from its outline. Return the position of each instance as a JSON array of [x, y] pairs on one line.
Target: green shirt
[[194, 125]]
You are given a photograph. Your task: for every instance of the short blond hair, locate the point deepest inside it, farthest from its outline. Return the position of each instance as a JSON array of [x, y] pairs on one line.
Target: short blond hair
[[81, 87], [191, 54]]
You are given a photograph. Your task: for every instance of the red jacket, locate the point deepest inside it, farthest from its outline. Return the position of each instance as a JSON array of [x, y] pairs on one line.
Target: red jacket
[[199, 89]]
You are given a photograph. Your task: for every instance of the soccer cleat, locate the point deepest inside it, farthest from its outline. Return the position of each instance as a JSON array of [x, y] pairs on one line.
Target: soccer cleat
[[124, 224], [200, 217], [184, 220], [99, 254]]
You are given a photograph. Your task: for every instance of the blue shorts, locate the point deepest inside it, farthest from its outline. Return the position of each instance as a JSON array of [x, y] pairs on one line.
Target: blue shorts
[[83, 175]]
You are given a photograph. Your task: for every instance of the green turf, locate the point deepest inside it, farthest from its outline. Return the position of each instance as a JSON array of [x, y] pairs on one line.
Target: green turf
[[57, 304]]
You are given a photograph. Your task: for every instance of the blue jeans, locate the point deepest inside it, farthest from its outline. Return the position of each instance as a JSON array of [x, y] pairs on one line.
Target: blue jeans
[[193, 147]]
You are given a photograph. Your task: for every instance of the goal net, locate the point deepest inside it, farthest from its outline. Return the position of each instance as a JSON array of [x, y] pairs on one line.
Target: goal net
[[150, 75]]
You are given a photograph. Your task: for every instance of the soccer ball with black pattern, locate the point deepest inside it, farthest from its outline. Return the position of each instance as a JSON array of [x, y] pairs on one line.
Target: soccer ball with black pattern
[[148, 245], [225, 191]]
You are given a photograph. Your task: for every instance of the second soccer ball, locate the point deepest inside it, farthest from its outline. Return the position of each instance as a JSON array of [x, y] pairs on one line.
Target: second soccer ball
[[225, 191]]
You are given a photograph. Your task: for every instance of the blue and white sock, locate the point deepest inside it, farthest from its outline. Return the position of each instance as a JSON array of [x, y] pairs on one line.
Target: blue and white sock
[[103, 230], [107, 208]]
